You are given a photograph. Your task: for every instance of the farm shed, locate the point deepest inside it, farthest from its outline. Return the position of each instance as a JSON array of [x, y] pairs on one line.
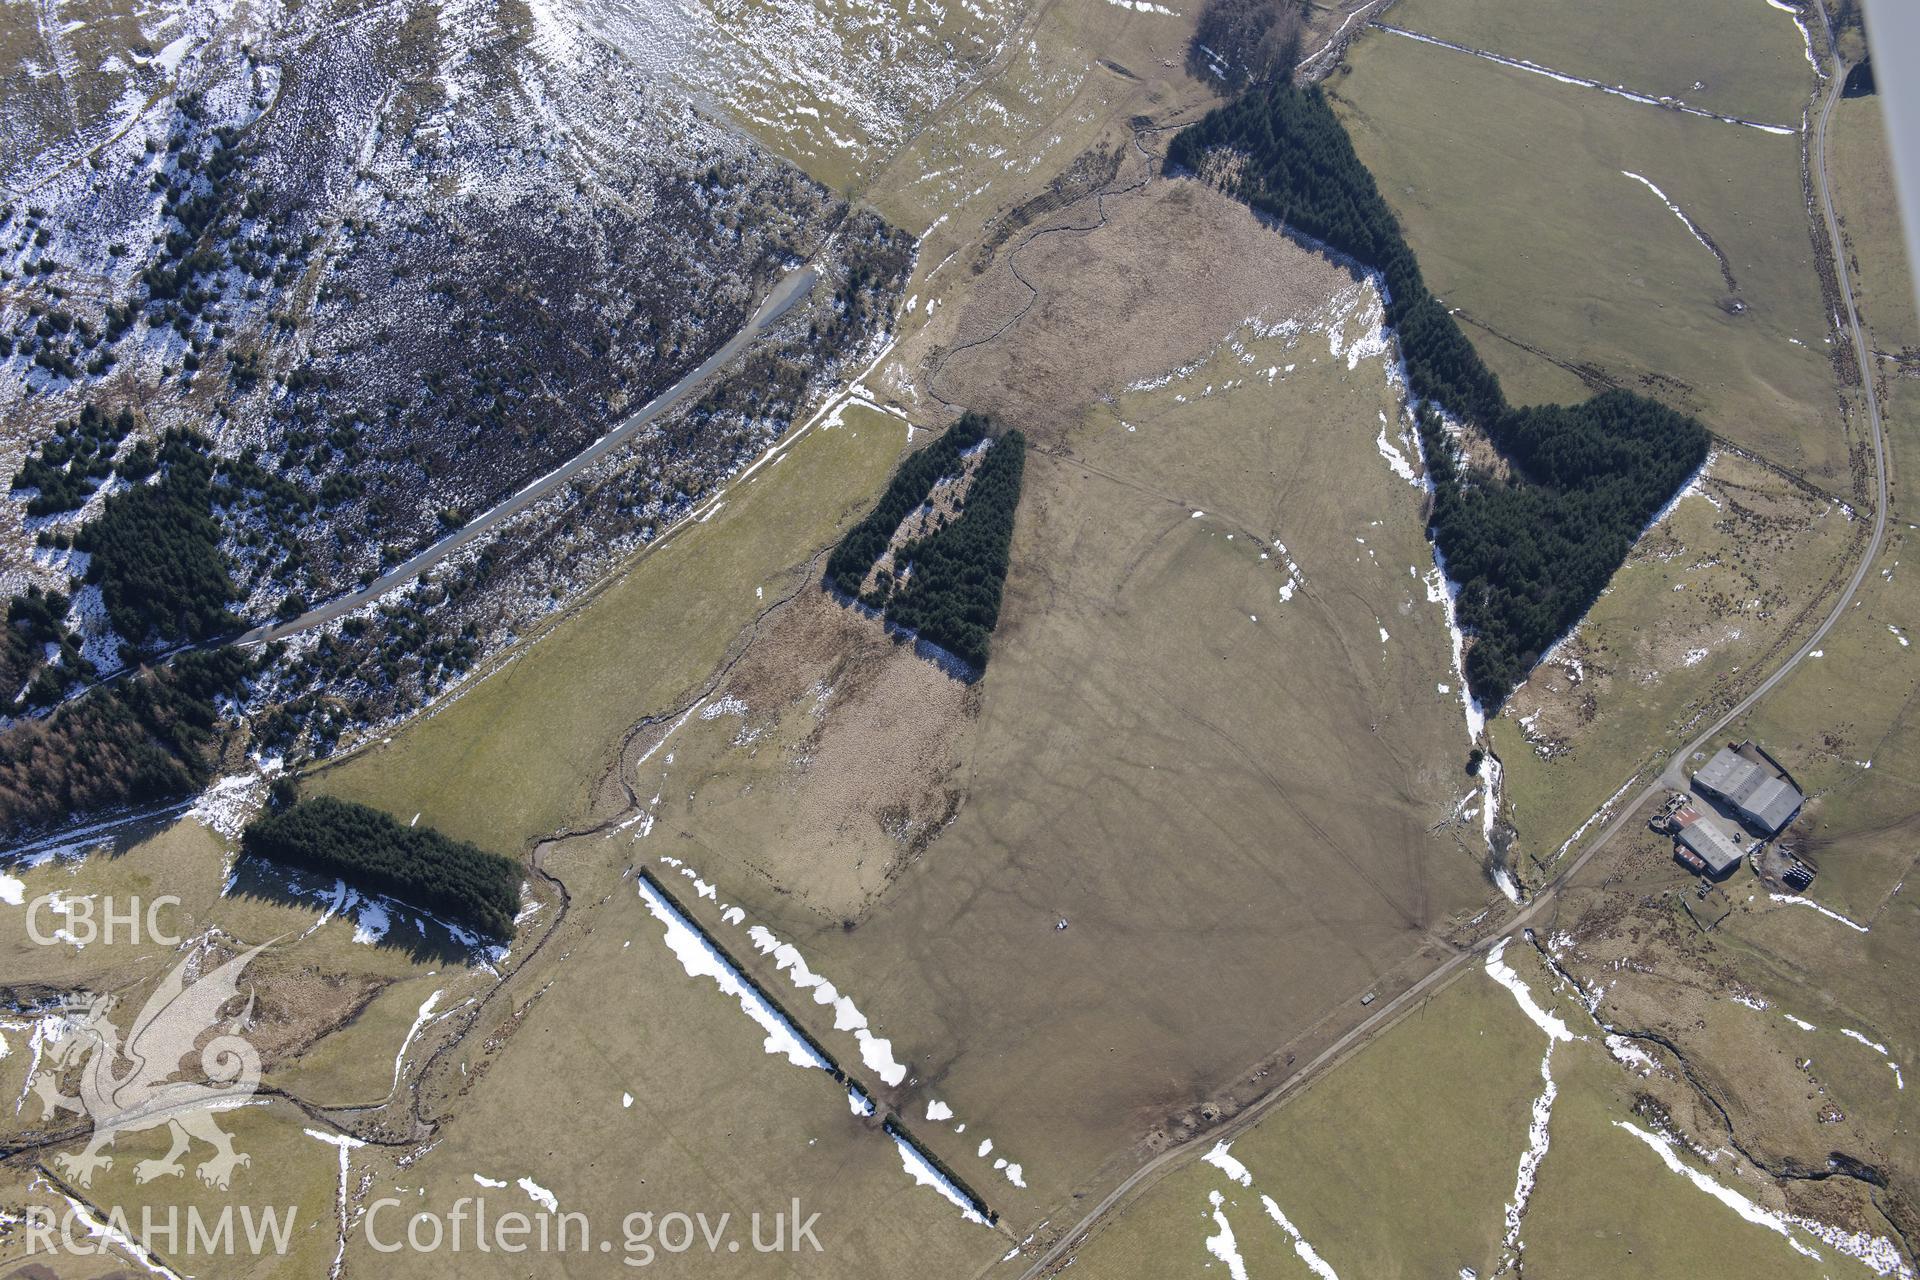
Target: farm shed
[[1717, 851], [1762, 795]]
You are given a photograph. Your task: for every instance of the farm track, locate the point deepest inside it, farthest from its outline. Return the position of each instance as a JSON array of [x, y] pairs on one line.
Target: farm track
[[1671, 776]]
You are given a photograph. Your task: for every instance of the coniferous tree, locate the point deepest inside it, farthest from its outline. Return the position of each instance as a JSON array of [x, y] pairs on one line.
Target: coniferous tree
[[1533, 551], [373, 852]]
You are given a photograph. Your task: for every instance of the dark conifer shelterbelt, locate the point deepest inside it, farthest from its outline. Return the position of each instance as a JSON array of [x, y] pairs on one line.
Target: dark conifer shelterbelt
[[866, 542], [416, 865], [950, 596], [1532, 552]]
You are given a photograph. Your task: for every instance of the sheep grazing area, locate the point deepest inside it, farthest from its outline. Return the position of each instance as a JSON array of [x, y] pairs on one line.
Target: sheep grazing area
[[831, 807]]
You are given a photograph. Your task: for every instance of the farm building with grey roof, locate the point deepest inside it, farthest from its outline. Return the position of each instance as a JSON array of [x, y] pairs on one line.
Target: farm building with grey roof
[[1717, 852], [1762, 795]]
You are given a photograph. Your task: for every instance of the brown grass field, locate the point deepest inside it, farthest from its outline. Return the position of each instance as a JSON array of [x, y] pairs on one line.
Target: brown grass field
[[1305, 823], [1311, 824]]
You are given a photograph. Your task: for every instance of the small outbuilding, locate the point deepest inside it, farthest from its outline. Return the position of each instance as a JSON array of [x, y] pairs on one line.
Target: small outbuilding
[[1747, 779], [1702, 845]]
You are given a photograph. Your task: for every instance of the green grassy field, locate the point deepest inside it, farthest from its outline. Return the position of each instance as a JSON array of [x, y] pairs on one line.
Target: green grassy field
[[335, 1010], [836, 86], [515, 757], [1513, 189], [1705, 603], [1606, 1205], [1086, 67], [329, 1015], [1402, 1162], [1869, 216], [1526, 376], [1382, 1179], [1840, 723], [1730, 56], [1853, 706], [289, 1172]]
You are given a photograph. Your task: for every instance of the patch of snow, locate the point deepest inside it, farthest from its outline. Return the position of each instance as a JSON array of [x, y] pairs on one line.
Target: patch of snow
[[925, 1175], [111, 1234], [1604, 812], [1228, 1164], [1443, 591], [230, 803], [371, 923], [1537, 1143], [1631, 1056], [1492, 773], [700, 960], [1746, 1208], [1806, 41], [1505, 974], [1855, 1036], [1302, 1250], [419, 1020], [875, 1052], [346, 1145], [1521, 64], [1222, 1245], [1797, 900], [728, 705], [1692, 229], [168, 59]]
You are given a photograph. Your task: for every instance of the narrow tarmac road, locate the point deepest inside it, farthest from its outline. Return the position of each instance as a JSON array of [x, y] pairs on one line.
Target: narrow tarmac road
[[780, 300]]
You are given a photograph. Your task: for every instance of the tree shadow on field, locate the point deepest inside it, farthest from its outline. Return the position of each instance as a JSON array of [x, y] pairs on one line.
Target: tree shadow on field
[[112, 838], [377, 920]]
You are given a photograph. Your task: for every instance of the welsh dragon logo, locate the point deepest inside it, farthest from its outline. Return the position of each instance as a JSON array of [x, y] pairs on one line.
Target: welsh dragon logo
[[135, 1086]]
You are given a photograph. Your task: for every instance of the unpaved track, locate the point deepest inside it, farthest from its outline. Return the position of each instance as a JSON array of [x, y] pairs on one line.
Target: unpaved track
[[1673, 776]]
